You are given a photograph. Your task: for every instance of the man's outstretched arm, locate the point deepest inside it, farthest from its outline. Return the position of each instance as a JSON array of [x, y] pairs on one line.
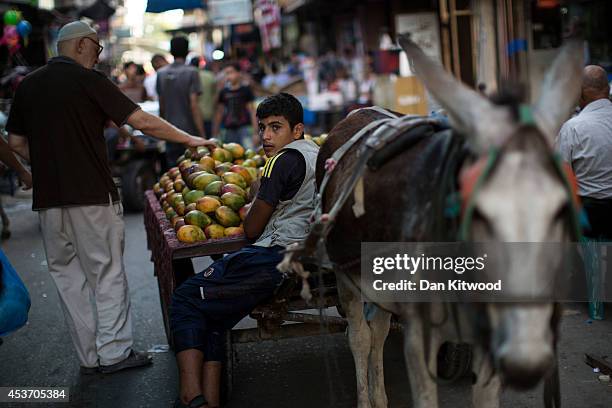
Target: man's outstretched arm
[[153, 126]]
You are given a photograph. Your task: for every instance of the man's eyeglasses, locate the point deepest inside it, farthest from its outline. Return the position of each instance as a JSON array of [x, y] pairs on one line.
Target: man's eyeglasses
[[100, 47]]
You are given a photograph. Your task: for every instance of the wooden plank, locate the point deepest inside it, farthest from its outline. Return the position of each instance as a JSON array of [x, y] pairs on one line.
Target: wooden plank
[[284, 332]]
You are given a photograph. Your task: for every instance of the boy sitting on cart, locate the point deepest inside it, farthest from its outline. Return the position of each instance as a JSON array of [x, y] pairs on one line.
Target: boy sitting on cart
[[214, 300]]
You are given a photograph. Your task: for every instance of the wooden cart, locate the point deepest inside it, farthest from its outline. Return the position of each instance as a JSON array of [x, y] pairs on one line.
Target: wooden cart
[[277, 319]]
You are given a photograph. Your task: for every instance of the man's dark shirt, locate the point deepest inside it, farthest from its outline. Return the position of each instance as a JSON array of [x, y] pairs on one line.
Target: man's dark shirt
[[62, 109], [283, 176], [235, 102]]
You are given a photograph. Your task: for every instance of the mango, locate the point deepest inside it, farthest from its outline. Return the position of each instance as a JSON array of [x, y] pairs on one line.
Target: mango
[[234, 178], [249, 153], [215, 231], [233, 188], [227, 217], [235, 149], [244, 211], [222, 155], [249, 163], [174, 173], [208, 164], [253, 173], [222, 168], [234, 232], [181, 158], [180, 208], [179, 223], [193, 196], [216, 141], [170, 213], [201, 151], [192, 177], [158, 190], [239, 161], [190, 207], [203, 180], [190, 234], [233, 201], [214, 188], [198, 218], [179, 184], [184, 164], [259, 161], [185, 191], [208, 204], [243, 172]]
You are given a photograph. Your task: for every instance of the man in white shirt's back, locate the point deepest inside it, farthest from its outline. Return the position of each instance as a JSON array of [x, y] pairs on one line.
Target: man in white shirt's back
[[585, 142], [150, 83]]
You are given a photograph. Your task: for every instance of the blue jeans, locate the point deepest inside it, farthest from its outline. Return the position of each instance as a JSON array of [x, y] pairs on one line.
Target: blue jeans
[[214, 300]]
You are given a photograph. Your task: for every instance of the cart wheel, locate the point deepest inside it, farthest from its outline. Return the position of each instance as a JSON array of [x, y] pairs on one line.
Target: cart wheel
[[165, 307], [454, 361], [227, 373], [138, 176]]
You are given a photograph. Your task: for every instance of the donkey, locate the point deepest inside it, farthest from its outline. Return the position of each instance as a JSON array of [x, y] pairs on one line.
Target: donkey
[[520, 200]]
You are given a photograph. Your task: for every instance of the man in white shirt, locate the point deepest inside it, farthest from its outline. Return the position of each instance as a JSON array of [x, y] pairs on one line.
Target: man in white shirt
[[585, 142], [158, 61]]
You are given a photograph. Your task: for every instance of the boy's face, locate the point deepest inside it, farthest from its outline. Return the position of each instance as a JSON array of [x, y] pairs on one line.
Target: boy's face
[[231, 74], [276, 133]]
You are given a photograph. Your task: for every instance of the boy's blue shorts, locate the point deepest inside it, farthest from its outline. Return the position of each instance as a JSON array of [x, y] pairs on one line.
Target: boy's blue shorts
[[214, 300]]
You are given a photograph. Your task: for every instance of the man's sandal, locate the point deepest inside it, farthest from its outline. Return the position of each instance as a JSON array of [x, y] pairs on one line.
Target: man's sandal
[[197, 402]]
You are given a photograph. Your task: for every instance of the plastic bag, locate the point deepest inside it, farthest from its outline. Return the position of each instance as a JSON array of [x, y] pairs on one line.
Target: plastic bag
[[14, 298]]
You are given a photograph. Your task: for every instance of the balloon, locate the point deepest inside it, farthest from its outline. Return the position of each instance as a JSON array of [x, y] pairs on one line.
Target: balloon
[[10, 39], [12, 17], [24, 28]]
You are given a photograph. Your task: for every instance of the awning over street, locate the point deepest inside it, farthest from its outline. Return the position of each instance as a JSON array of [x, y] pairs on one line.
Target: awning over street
[[159, 6]]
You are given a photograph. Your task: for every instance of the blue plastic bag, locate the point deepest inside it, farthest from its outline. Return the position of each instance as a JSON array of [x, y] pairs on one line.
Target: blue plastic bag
[[14, 298]]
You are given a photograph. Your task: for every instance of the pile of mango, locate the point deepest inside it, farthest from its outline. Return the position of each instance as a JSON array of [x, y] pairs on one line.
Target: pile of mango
[[207, 195], [319, 140]]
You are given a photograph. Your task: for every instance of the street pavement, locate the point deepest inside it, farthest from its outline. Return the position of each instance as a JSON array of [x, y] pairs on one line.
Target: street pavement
[[305, 372]]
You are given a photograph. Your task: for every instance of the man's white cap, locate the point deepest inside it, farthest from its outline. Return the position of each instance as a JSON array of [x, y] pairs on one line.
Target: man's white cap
[[76, 29]]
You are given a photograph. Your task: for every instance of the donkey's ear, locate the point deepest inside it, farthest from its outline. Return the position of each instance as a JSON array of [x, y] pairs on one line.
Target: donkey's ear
[[469, 111], [560, 90]]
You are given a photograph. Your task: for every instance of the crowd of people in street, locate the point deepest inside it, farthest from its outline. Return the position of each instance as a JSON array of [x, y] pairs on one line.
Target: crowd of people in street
[[226, 90]]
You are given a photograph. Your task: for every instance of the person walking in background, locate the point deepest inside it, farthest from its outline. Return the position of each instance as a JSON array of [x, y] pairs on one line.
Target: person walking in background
[[178, 87], [585, 143], [133, 86], [78, 205], [207, 99], [236, 109], [150, 83]]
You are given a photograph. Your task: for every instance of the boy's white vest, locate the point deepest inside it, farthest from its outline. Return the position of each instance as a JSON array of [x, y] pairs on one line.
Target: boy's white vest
[[290, 221]]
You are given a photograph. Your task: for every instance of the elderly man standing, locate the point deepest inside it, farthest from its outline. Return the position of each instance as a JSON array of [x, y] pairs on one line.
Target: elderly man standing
[[57, 123], [585, 142]]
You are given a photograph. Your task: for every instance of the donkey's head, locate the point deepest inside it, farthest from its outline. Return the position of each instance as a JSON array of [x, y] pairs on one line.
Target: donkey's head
[[520, 196]]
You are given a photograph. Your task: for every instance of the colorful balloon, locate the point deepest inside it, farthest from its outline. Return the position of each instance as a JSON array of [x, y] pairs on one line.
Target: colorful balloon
[[12, 17], [24, 28]]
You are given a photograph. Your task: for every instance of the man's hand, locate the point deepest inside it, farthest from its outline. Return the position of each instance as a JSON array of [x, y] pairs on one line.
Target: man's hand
[[26, 179], [198, 141]]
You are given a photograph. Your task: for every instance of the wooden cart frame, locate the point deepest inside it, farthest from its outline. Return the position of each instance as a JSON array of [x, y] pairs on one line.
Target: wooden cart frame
[[173, 265]]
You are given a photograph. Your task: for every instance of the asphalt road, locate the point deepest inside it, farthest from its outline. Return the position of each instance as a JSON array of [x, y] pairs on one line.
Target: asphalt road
[[306, 372]]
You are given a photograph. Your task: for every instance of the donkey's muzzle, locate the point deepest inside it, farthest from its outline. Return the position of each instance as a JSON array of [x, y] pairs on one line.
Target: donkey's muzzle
[[523, 365]]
